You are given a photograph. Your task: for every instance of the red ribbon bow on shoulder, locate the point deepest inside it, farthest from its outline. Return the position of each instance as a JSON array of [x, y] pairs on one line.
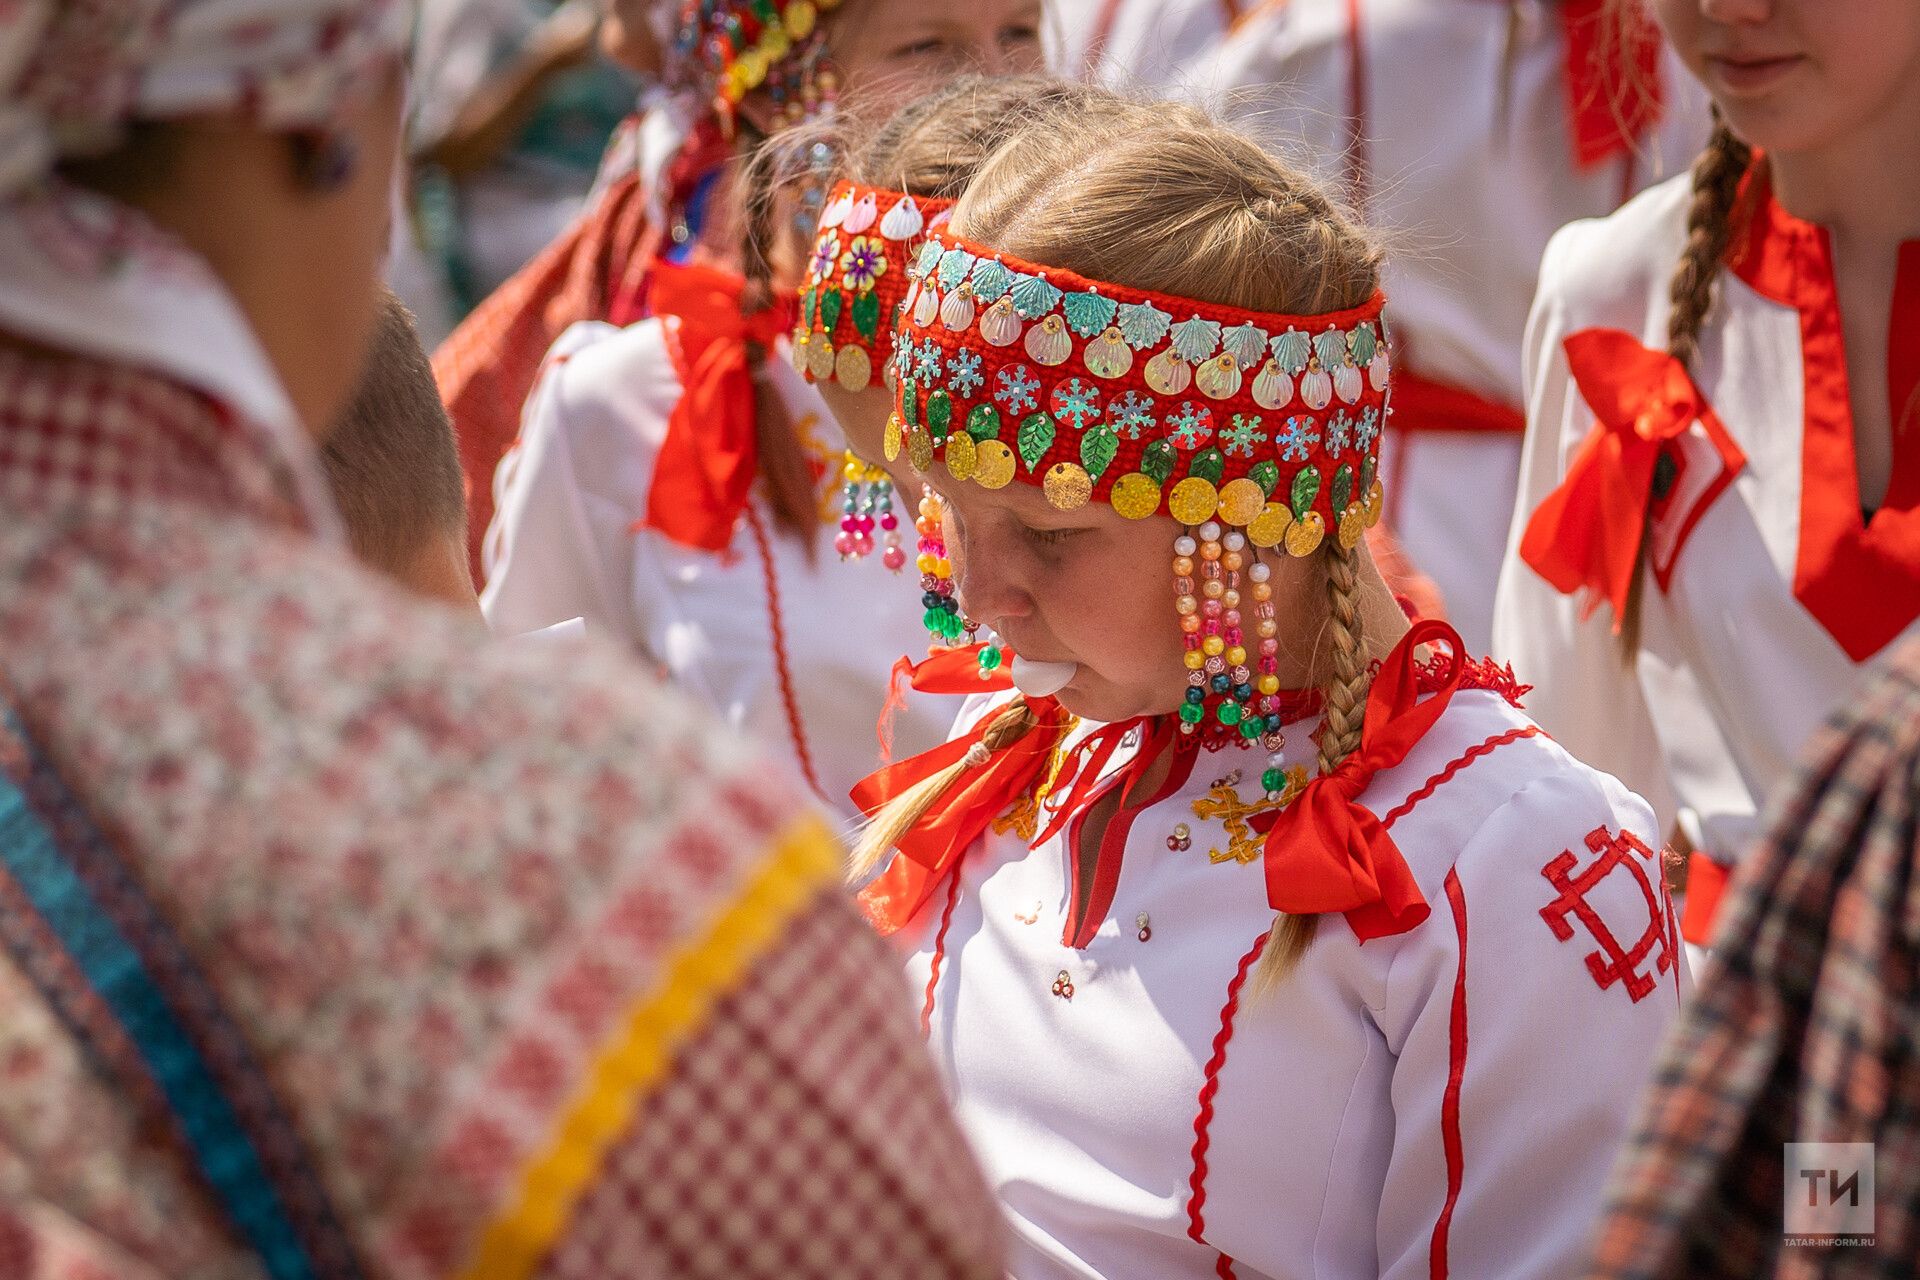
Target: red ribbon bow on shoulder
[[1326, 852], [1586, 534], [707, 462], [981, 794]]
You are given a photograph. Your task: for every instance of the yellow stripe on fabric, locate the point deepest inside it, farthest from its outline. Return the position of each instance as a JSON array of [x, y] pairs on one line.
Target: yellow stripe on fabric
[[804, 858]]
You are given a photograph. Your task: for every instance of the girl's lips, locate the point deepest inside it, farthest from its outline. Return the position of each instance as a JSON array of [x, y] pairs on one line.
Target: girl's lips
[[1750, 75]]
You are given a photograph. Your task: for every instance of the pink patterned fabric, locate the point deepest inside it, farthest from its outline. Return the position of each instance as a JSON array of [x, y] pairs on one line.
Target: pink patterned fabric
[[425, 874]]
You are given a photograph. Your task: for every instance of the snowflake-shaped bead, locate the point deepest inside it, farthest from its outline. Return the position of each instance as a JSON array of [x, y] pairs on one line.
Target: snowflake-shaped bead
[[1339, 435], [1076, 403], [1192, 425], [1296, 439], [1369, 428], [926, 361], [963, 372], [1244, 436], [1132, 415], [1015, 392]]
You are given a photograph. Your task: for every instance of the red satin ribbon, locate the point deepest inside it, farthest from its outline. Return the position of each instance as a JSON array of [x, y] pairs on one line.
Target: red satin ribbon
[[942, 671], [1612, 77], [1586, 535], [1326, 852], [1080, 773], [706, 465], [981, 794]]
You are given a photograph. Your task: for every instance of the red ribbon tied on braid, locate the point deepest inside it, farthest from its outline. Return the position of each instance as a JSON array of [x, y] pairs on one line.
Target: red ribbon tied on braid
[[929, 848], [1326, 852], [955, 670], [706, 466], [1586, 535]]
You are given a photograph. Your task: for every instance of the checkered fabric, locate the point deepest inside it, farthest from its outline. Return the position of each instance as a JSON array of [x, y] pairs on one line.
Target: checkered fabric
[[1806, 1028], [471, 911], [797, 1138]]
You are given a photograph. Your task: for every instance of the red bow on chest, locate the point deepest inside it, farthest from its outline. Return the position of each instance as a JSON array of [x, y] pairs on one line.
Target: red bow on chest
[[1585, 536]]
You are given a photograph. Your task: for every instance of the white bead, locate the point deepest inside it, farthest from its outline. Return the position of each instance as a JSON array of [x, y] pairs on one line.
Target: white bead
[[1235, 541], [1184, 546], [1259, 571], [1210, 531], [1274, 761]]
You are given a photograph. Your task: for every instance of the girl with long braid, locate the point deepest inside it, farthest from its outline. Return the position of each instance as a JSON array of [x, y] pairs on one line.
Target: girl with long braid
[[678, 485], [1257, 930], [1718, 530]]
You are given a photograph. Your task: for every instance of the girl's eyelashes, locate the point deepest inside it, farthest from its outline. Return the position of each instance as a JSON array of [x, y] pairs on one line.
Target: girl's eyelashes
[[1050, 537]]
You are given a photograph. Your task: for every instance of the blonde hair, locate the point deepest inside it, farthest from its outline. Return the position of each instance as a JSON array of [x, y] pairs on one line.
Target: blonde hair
[[1161, 197]]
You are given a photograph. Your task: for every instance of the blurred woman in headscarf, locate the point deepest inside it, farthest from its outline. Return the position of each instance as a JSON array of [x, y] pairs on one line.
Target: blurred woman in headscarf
[[334, 940]]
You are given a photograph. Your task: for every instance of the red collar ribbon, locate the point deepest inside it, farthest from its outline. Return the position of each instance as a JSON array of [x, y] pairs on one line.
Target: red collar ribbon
[[1080, 773], [1326, 852], [1586, 534], [954, 670], [930, 847], [1612, 76], [706, 466]]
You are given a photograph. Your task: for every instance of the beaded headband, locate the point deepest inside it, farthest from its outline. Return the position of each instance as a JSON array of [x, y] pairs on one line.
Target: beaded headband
[[856, 279], [743, 44], [1269, 423]]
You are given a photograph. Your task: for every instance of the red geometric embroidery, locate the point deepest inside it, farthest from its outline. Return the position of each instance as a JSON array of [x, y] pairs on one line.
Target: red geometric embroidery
[[1613, 963]]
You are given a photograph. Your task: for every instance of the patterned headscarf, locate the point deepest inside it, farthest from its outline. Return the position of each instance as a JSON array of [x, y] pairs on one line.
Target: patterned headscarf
[[83, 273], [1806, 1027]]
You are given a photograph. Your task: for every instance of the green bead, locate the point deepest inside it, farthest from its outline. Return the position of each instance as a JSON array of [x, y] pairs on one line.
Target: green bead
[[989, 658], [1191, 712], [934, 620], [1274, 780], [1229, 713], [1252, 727]]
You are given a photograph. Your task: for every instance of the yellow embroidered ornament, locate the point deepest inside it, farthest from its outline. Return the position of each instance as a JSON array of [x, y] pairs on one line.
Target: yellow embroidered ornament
[[1223, 802]]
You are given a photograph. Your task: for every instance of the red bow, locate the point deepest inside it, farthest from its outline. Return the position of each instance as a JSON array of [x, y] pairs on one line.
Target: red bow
[[981, 794], [956, 670], [1325, 851], [705, 469], [1587, 532], [1612, 77]]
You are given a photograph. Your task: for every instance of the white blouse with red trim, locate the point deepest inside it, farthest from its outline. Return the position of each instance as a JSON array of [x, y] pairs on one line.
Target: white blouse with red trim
[[791, 649], [1135, 44], [1766, 596], [1467, 166], [1442, 1102]]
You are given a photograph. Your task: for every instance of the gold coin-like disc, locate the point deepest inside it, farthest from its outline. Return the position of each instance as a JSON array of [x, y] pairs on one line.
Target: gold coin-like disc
[[1376, 504], [820, 356], [1270, 526], [993, 466], [920, 449], [963, 455], [1067, 486], [1134, 496], [1193, 500], [1353, 526], [890, 443], [852, 368], [1241, 501], [1305, 534], [802, 339]]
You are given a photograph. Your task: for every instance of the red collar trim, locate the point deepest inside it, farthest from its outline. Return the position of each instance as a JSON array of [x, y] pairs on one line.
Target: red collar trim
[[1860, 580]]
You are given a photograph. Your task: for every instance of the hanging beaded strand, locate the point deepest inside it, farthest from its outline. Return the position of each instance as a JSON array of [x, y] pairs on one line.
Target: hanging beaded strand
[[1222, 699], [867, 505], [942, 616]]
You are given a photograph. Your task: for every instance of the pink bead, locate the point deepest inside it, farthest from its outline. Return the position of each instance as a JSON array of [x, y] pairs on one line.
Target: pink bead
[[1216, 664], [862, 543], [1183, 586], [843, 543], [1211, 608], [1269, 663], [1264, 610], [1191, 641], [889, 522], [1212, 628], [895, 559], [1210, 571]]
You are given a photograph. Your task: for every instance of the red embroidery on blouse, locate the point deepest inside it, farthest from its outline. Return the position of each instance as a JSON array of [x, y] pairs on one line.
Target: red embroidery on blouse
[[1210, 1085], [1612, 963], [782, 668], [939, 952], [1476, 673], [1456, 1073]]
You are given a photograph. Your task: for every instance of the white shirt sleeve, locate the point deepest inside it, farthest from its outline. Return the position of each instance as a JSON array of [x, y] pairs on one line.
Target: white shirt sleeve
[[566, 497], [1521, 1047], [1585, 692]]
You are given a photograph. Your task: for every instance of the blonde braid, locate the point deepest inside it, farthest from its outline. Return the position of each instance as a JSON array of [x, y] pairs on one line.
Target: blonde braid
[[878, 838]]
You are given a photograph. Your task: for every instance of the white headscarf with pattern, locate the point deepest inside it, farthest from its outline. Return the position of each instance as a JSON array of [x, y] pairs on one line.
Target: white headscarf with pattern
[[82, 273]]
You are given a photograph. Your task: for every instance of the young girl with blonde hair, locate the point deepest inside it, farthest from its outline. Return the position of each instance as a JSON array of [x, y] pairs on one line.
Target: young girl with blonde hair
[[1260, 933], [1722, 380]]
